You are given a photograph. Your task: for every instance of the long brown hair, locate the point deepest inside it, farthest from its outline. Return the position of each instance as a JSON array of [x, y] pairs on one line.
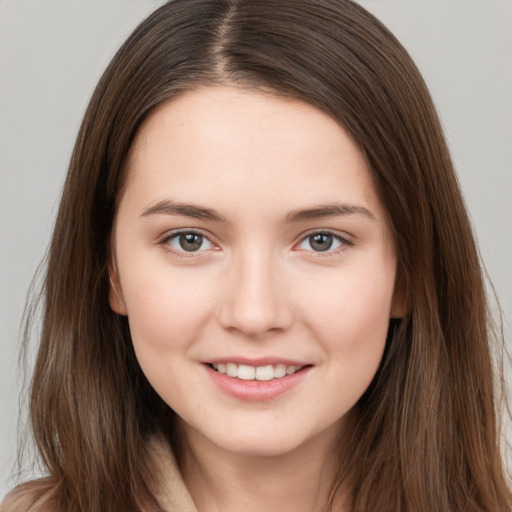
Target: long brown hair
[[427, 431]]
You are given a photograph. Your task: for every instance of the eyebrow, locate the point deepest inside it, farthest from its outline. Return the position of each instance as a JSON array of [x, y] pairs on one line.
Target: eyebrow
[[168, 207], [328, 210]]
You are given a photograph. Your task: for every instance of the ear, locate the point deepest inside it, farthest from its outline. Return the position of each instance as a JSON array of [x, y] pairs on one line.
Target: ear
[[399, 301], [115, 294]]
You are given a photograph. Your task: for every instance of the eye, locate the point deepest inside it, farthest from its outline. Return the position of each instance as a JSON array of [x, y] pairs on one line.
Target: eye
[[323, 241], [188, 241]]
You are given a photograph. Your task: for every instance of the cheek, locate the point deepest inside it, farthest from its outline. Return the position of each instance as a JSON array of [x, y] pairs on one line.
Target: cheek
[[350, 320], [352, 301], [166, 310]]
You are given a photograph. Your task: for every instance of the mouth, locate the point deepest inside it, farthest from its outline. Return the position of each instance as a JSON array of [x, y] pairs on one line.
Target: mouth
[[257, 373], [257, 381]]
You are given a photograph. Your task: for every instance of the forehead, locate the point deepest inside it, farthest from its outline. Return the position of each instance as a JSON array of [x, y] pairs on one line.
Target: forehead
[[233, 145], [252, 117]]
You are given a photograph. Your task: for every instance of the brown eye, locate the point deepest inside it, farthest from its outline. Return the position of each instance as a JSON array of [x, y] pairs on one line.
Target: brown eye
[[322, 241], [188, 241]]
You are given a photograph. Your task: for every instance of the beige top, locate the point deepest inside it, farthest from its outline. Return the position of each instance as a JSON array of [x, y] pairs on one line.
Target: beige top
[[170, 490], [171, 493]]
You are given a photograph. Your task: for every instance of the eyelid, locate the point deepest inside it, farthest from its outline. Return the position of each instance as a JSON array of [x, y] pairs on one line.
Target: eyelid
[[344, 239], [170, 235]]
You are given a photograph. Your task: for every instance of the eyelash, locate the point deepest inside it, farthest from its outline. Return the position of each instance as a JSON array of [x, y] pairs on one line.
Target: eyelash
[[165, 242], [343, 241]]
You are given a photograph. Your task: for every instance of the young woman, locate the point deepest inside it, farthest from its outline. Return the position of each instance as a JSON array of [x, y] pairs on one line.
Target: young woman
[[263, 291]]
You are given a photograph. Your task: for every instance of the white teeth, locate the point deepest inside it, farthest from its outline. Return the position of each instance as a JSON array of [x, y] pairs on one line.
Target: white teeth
[[290, 370], [246, 372], [264, 373], [279, 371], [232, 369]]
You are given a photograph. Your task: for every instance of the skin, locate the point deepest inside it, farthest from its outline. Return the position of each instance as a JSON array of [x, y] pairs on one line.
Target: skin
[[256, 287]]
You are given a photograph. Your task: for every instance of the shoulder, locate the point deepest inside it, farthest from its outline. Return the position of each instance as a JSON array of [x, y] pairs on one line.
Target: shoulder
[[34, 496]]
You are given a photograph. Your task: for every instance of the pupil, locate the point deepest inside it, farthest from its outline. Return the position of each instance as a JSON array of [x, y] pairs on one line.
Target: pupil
[[190, 241], [321, 242]]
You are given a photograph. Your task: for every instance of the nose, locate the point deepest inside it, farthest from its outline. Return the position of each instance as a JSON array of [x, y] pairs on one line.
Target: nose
[[255, 300]]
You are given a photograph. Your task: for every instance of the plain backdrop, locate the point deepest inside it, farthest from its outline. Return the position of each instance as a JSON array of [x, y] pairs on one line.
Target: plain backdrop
[[52, 54]]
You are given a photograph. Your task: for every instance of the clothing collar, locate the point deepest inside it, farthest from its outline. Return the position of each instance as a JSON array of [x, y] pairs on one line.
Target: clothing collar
[[170, 489]]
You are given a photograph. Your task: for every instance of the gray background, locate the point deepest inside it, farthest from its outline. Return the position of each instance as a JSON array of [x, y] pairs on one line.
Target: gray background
[[53, 52]]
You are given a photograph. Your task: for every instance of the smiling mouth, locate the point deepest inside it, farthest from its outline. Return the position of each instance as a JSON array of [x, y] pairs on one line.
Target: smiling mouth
[[261, 373]]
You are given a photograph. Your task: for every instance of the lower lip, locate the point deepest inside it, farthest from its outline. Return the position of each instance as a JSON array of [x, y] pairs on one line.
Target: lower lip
[[256, 390]]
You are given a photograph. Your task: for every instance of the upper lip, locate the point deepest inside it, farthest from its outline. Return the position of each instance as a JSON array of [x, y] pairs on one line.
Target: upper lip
[[260, 361]]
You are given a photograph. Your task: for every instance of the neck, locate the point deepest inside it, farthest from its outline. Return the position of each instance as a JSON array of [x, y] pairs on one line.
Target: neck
[[298, 481]]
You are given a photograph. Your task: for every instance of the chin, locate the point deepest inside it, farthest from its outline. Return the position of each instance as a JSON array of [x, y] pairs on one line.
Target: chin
[[261, 447], [269, 440]]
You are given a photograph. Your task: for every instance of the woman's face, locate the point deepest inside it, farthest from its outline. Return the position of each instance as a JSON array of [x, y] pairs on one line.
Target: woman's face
[[254, 263]]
